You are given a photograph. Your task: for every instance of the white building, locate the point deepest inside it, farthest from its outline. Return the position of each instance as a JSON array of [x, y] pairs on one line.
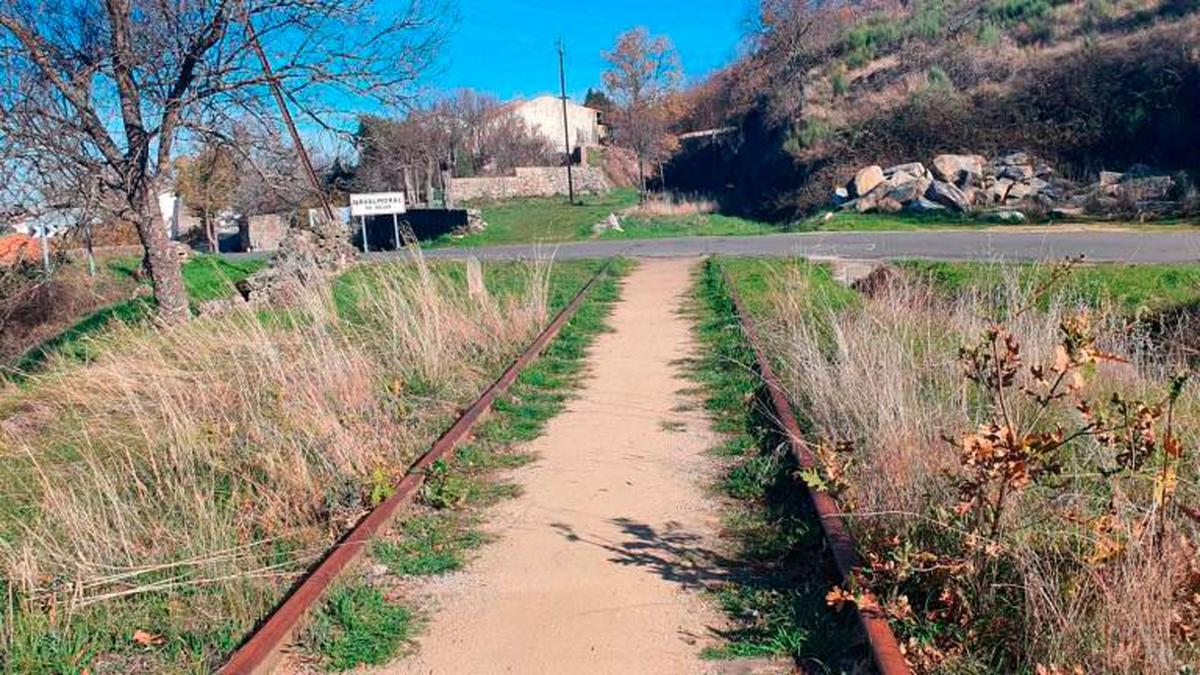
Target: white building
[[544, 116]]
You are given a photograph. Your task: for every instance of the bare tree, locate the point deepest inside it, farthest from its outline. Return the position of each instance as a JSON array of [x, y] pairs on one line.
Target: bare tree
[[207, 182], [643, 72], [109, 88]]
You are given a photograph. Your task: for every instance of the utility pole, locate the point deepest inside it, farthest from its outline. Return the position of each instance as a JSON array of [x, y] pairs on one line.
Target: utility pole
[[273, 83], [562, 82]]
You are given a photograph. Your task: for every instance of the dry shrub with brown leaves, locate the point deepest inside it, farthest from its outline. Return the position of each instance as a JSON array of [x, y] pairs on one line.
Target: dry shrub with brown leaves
[[1018, 469], [227, 453]]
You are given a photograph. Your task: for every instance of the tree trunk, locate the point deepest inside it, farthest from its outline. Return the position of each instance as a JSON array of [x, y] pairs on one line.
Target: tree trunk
[[89, 247], [641, 179], [429, 169], [161, 260], [447, 198], [210, 232], [410, 194]]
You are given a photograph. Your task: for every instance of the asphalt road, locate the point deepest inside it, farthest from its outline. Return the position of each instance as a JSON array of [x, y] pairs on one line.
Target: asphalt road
[[1097, 245], [1027, 244]]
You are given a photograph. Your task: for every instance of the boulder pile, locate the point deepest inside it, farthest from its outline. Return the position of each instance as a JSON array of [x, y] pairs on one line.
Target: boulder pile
[[1005, 187], [955, 183]]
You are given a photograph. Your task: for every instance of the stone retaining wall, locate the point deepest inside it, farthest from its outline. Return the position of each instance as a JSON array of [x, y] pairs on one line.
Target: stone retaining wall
[[529, 181]]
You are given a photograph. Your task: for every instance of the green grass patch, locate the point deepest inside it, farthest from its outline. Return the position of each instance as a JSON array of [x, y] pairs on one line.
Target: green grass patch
[[433, 543], [206, 277], [542, 219], [699, 225], [1132, 289], [358, 626]]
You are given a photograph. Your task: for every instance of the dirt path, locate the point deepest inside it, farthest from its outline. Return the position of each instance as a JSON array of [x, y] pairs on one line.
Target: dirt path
[[599, 563]]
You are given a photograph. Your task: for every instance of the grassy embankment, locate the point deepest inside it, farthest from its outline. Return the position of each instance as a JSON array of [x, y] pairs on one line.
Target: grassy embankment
[[206, 278], [159, 498], [1062, 545]]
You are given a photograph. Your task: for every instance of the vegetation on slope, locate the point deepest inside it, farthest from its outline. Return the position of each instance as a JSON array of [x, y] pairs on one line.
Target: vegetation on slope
[[828, 89], [160, 498], [1040, 464]]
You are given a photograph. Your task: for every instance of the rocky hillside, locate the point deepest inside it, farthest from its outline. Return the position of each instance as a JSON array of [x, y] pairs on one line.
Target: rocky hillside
[[1084, 87]]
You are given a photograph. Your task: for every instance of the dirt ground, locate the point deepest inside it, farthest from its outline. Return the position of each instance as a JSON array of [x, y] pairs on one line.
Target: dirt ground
[[600, 564]]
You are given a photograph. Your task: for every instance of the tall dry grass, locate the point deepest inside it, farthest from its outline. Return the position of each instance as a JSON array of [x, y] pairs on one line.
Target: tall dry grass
[[1077, 580], [673, 205], [209, 463]]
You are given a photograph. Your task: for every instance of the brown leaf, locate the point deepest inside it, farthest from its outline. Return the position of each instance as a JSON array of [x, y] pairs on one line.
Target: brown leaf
[[147, 639]]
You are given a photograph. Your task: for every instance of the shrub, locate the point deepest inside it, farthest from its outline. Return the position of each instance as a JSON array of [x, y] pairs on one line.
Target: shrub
[[1030, 517]]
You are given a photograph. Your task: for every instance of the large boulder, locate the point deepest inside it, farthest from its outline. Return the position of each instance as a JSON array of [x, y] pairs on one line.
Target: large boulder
[[948, 195], [1013, 159], [1018, 172], [1018, 192], [923, 205], [866, 180], [915, 169], [958, 169], [998, 191], [889, 204], [908, 190], [1150, 188]]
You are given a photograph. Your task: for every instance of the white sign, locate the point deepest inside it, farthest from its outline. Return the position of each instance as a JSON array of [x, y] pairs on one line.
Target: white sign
[[377, 204]]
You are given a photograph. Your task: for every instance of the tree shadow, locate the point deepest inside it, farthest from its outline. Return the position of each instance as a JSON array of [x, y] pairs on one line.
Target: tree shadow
[[669, 551]]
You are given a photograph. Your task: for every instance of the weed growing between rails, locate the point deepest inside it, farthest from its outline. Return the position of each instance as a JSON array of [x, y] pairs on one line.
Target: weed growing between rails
[[777, 600], [1050, 534], [158, 501], [438, 535]]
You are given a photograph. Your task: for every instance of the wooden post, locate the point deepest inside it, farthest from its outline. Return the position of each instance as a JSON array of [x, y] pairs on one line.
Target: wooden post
[[45, 239], [475, 287]]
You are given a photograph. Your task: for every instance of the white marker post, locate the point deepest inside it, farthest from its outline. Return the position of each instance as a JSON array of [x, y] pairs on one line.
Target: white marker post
[[378, 204]]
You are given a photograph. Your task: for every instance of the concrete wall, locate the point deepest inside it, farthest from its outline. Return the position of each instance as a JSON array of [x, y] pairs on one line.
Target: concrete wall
[[543, 116], [529, 181]]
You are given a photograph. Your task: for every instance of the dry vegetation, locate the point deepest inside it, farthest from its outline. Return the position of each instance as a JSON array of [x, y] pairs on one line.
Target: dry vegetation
[[672, 205], [178, 482], [1020, 471], [831, 87]]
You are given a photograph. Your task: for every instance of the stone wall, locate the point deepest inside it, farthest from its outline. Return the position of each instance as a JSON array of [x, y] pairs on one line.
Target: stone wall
[[264, 232], [529, 181]]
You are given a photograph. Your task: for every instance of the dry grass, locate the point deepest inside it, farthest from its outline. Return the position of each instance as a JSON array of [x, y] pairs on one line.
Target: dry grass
[[883, 375], [225, 454], [672, 206]]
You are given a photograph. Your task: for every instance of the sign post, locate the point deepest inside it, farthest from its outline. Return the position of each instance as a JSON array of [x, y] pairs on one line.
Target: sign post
[[378, 204]]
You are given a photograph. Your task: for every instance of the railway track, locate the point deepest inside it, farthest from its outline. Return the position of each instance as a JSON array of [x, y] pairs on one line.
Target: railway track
[[262, 649], [885, 649]]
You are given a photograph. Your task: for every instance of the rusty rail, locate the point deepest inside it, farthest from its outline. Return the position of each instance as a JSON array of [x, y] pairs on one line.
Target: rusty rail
[[262, 650], [885, 650]]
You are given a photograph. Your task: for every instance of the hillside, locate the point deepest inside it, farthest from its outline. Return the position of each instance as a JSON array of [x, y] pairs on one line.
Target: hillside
[[1085, 86]]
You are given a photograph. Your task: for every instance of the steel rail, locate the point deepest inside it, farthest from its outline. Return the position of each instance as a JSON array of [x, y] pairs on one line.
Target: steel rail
[[885, 650], [262, 650]]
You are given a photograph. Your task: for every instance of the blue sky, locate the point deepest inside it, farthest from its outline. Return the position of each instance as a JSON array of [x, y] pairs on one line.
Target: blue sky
[[506, 47]]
